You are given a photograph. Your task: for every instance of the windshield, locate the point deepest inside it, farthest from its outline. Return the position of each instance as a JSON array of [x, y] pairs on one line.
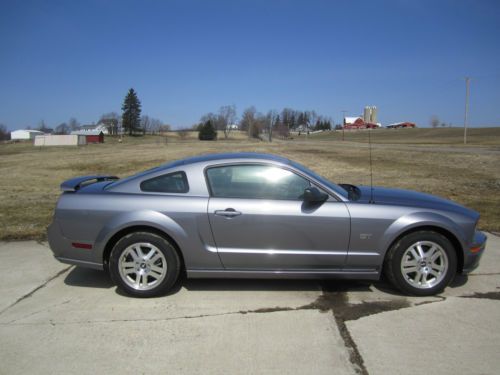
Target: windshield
[[334, 187]]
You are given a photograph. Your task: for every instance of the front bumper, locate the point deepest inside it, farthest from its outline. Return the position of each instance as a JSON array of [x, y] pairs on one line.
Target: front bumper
[[474, 253]]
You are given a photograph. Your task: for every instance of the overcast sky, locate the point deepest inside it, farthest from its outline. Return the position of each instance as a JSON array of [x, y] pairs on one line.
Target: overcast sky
[[184, 58]]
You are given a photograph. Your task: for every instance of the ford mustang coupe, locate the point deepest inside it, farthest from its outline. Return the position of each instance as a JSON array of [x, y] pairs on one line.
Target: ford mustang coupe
[[249, 215]]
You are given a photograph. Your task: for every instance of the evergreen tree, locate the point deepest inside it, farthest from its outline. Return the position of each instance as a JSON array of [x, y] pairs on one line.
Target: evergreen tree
[[293, 123], [207, 132], [277, 122], [131, 117]]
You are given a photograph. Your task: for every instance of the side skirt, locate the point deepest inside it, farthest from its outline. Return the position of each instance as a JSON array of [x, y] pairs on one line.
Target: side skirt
[[316, 274]]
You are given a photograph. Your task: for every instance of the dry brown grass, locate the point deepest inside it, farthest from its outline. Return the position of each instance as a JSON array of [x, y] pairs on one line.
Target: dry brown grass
[[29, 186], [421, 136]]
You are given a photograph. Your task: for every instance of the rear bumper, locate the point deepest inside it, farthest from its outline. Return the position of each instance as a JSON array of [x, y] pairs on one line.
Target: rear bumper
[[65, 252], [474, 253]]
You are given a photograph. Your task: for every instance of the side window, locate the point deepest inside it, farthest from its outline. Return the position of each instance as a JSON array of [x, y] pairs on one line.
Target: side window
[[169, 183], [255, 182]]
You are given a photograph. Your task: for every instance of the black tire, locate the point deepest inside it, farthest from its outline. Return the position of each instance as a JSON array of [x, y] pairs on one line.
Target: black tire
[[168, 261], [406, 281]]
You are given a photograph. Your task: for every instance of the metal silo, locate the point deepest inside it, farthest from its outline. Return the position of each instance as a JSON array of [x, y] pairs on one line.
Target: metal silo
[[367, 114], [373, 115]]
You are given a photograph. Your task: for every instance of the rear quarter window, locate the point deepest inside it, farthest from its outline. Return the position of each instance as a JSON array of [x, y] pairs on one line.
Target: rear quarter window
[[175, 182]]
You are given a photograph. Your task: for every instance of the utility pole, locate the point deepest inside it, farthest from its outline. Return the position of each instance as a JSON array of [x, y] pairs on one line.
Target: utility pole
[[272, 118], [467, 82], [343, 121]]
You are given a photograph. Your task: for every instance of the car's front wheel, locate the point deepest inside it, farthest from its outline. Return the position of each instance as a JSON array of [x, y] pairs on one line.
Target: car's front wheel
[[144, 264], [422, 263]]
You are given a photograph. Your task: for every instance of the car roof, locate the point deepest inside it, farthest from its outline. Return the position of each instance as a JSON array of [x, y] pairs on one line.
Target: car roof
[[203, 159], [226, 156], [236, 155]]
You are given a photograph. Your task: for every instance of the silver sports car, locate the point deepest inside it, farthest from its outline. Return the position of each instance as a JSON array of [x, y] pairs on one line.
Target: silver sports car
[[259, 216]]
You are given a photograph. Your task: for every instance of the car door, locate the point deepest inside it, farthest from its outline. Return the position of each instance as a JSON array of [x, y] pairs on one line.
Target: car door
[[260, 221]]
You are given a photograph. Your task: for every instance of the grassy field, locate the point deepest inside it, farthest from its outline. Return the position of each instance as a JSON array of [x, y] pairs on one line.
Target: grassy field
[[420, 136], [29, 186]]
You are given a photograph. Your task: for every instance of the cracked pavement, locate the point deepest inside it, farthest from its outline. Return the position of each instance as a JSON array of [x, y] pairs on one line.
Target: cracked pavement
[[60, 319]]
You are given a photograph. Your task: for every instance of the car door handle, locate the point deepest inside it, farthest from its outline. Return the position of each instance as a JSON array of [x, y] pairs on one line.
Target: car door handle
[[228, 212]]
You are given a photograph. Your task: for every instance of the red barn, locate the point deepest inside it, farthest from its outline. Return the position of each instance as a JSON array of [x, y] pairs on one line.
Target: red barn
[[353, 123], [91, 136]]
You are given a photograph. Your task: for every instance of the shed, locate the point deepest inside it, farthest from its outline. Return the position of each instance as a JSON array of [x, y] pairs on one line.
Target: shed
[[404, 124], [91, 136], [24, 134], [60, 140]]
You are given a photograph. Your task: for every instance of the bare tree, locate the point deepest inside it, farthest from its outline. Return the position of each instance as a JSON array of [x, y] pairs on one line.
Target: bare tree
[[227, 118], [156, 125], [112, 122], [164, 128], [183, 134], [145, 124], [248, 121], [73, 124], [434, 121], [43, 127], [313, 118], [62, 128], [271, 118], [283, 130]]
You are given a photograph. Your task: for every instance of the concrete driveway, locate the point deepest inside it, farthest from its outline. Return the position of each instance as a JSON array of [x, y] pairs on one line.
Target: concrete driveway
[[60, 319]]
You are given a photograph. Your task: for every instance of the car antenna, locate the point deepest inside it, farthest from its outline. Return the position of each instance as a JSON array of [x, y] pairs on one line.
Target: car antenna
[[371, 164]]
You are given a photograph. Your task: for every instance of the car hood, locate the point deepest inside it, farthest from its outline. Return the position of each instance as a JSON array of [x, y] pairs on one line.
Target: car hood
[[401, 197]]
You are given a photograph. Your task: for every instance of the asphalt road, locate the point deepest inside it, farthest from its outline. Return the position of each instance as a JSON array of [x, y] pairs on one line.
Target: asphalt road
[[60, 319]]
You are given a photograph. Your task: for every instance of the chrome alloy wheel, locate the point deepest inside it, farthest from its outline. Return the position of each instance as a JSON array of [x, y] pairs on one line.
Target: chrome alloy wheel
[[142, 266], [424, 264]]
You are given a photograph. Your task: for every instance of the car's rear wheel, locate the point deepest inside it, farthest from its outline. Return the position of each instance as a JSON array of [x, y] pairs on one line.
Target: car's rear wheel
[[422, 263], [144, 264]]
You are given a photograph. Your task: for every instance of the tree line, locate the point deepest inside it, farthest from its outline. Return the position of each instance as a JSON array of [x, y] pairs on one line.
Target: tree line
[[256, 123]]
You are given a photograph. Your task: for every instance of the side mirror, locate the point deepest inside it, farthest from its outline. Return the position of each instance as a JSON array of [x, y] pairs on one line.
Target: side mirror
[[313, 195]]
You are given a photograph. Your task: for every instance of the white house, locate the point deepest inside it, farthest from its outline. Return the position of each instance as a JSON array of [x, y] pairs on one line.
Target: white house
[[95, 128], [24, 134]]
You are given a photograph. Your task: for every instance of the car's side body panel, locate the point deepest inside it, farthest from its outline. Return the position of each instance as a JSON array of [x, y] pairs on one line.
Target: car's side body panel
[[374, 229], [280, 235], [95, 219]]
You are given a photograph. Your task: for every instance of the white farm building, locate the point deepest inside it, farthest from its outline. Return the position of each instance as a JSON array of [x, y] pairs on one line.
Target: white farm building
[[22, 135], [60, 140]]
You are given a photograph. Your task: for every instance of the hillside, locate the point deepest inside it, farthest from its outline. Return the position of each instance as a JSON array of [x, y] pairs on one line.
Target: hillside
[[449, 136]]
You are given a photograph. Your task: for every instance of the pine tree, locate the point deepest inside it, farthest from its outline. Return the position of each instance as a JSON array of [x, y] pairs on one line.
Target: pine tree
[[131, 117], [207, 132], [277, 122]]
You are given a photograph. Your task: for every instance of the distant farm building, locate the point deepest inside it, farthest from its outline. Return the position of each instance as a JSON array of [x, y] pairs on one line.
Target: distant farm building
[[23, 135], [359, 123], [101, 127], [60, 140], [370, 115], [353, 122], [405, 124], [90, 136]]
